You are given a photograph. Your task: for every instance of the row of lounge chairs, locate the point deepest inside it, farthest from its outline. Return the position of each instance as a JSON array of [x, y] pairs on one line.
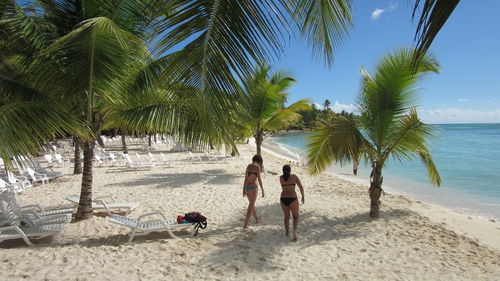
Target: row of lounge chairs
[[34, 221]]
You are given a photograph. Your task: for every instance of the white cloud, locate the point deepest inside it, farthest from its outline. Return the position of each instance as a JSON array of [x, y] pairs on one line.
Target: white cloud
[[458, 115], [392, 6], [463, 100], [377, 13], [338, 107]]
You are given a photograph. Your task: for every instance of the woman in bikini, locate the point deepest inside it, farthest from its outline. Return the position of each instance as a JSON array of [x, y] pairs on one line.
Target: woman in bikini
[[252, 174], [289, 201]]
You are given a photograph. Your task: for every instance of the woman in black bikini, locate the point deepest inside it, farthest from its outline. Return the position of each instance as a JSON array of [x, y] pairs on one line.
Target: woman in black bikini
[[252, 175], [289, 201]]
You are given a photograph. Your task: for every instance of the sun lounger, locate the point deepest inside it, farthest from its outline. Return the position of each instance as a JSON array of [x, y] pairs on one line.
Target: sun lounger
[[136, 165], [15, 232], [23, 181], [35, 212], [108, 203], [14, 227], [151, 222]]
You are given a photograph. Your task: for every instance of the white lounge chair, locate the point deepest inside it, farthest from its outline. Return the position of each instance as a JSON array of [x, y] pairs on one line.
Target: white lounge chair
[[108, 203], [61, 160], [210, 157], [23, 181], [98, 160], [37, 177], [35, 212], [18, 188], [137, 165], [15, 232], [112, 158], [195, 157], [143, 226], [50, 174]]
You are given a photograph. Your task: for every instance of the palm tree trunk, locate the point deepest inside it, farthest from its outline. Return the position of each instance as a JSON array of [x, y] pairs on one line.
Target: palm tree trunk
[[85, 205], [258, 141], [124, 145], [375, 192], [78, 161]]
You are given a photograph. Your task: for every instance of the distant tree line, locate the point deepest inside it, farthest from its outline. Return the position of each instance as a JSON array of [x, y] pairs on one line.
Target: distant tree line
[[315, 117]]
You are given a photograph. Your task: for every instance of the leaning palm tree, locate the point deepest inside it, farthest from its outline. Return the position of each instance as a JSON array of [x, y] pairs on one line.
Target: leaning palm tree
[[388, 125], [263, 103]]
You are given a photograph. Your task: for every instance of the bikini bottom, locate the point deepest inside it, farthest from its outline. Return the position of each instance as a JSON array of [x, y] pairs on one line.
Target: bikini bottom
[[249, 188], [288, 200]]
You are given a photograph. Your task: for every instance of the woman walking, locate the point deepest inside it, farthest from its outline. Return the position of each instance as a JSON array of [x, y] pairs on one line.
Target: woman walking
[[252, 175], [289, 201]]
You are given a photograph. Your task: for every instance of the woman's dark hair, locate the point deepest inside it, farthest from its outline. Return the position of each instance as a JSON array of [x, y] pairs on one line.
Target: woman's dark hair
[[257, 158], [286, 172]]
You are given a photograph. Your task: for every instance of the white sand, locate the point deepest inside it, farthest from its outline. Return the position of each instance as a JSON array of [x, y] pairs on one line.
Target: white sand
[[338, 240]]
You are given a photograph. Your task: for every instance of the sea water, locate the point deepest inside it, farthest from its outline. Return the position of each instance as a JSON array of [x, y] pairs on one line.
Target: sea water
[[467, 157]]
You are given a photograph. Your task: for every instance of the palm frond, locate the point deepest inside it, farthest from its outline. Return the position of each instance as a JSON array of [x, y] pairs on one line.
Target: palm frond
[[434, 15], [390, 93], [26, 125], [324, 23], [337, 142]]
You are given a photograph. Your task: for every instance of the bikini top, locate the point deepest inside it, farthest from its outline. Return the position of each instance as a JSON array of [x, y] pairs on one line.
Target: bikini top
[[288, 184], [249, 173]]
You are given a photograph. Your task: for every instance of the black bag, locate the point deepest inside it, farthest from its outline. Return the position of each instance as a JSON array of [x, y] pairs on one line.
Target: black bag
[[198, 219]]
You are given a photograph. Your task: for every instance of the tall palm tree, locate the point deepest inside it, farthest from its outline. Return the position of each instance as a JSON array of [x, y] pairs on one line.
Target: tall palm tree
[[388, 125], [263, 103], [85, 50]]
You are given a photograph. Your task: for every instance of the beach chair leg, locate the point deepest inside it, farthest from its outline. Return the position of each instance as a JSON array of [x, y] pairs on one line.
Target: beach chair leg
[[132, 235]]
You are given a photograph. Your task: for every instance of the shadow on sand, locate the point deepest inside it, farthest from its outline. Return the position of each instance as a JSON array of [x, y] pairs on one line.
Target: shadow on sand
[[214, 177]]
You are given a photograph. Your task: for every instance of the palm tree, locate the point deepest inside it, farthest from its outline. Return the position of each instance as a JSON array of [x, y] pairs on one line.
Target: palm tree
[[326, 104], [263, 103], [388, 125], [85, 50]]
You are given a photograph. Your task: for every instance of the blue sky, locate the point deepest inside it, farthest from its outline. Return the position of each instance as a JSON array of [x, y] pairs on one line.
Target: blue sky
[[466, 91]]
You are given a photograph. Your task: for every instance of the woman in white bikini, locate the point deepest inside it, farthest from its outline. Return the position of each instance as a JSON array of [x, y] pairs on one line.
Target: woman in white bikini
[[289, 201], [252, 174]]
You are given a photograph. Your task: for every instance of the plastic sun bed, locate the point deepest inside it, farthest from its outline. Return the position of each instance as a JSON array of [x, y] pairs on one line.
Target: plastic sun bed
[[107, 203], [140, 226]]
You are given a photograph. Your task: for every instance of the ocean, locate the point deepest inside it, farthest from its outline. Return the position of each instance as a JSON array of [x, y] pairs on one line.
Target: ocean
[[467, 157]]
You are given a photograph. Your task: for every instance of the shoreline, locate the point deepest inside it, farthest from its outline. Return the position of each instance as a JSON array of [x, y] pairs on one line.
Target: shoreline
[[473, 226]]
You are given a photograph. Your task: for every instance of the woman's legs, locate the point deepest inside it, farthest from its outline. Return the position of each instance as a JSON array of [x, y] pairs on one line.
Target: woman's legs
[[294, 208], [286, 220], [252, 197]]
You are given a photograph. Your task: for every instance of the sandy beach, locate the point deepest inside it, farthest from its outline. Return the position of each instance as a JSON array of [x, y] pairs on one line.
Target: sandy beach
[[337, 239]]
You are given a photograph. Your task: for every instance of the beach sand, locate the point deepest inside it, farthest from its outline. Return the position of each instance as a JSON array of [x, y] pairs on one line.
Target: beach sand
[[337, 239]]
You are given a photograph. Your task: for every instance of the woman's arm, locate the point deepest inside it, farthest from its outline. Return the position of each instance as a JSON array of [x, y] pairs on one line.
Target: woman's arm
[[260, 181], [301, 189], [244, 181]]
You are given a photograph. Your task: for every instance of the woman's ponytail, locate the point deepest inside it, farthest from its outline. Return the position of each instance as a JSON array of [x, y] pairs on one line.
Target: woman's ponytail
[[286, 172]]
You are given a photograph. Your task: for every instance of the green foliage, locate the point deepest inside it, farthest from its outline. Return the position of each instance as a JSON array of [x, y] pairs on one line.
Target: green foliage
[[262, 105], [388, 125]]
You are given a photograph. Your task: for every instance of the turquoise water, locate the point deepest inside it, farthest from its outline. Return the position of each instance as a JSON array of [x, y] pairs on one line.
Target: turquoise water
[[467, 157]]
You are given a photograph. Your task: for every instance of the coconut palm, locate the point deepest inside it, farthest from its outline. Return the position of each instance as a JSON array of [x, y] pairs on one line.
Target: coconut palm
[[84, 50], [388, 125], [263, 103]]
